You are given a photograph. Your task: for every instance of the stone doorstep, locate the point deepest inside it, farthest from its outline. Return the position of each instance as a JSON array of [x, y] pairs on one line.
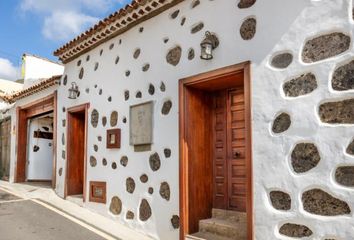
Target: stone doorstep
[[205, 236], [232, 216], [76, 199], [223, 228]]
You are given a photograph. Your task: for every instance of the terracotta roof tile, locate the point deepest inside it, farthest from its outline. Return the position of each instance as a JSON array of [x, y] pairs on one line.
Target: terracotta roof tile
[[38, 87], [116, 23]]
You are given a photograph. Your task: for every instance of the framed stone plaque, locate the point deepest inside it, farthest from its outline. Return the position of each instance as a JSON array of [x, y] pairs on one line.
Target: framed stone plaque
[[98, 192], [141, 124]]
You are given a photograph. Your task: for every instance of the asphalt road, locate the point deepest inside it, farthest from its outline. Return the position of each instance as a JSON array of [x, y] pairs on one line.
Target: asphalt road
[[26, 220]]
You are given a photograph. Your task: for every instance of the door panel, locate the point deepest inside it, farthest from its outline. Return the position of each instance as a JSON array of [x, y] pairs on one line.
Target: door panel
[[229, 150], [76, 150], [220, 150], [236, 142]]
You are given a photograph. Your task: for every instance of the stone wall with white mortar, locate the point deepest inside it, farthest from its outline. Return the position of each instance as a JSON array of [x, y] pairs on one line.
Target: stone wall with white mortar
[[281, 168]]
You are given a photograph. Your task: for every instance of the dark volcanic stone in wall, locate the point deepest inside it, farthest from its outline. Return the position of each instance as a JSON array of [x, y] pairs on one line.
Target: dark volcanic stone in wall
[[126, 95], [345, 176], [174, 56], [248, 28], [93, 161], [124, 161], [167, 152], [81, 74], [343, 77], [280, 200], [191, 54], [63, 139], [174, 14], [341, 112], [281, 123], [104, 121], [130, 185], [175, 221], [246, 3], [144, 210], [163, 87], [114, 165], [183, 21], [94, 118], [151, 190], [318, 202], [155, 162], [104, 162], [295, 230], [63, 154], [137, 53], [146, 67], [166, 108], [165, 191], [129, 215], [282, 60], [116, 206], [144, 178], [304, 157], [350, 148], [114, 119], [60, 171], [325, 46], [196, 28], [95, 148], [65, 80], [151, 89], [195, 3], [302, 85]]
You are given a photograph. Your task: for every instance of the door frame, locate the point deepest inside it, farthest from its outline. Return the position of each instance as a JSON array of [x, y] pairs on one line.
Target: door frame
[[23, 113], [207, 80], [79, 108]]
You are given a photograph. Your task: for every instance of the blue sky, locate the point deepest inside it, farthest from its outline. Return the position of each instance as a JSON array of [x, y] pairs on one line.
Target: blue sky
[[41, 26]]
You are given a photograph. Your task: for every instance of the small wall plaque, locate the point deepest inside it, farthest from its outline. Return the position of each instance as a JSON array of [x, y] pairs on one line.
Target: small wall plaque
[[141, 124], [113, 138], [98, 192]]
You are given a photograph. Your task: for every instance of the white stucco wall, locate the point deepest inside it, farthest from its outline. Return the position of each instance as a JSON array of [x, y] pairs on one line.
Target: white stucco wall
[[38, 68], [282, 25]]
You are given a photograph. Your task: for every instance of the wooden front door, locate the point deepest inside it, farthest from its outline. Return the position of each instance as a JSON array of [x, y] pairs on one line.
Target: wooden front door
[[230, 178], [5, 144], [75, 153]]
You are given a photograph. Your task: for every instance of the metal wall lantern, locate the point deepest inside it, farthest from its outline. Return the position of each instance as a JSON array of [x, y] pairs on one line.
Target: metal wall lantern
[[209, 43], [74, 91]]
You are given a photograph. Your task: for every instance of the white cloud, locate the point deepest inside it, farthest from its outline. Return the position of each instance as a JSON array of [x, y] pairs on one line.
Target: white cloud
[[64, 19], [8, 71], [63, 25]]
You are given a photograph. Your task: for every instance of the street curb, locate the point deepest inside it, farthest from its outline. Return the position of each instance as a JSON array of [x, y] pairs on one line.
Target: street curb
[[79, 219]]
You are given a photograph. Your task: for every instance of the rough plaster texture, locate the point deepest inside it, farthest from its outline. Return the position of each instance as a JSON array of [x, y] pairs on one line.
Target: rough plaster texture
[[282, 26]]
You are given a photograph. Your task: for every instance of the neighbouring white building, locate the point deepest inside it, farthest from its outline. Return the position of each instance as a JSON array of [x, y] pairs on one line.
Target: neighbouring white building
[[41, 78], [208, 119]]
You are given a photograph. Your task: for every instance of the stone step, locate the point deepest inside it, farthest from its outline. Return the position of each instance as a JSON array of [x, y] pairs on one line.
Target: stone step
[[77, 199], [205, 236], [228, 215], [224, 228]]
